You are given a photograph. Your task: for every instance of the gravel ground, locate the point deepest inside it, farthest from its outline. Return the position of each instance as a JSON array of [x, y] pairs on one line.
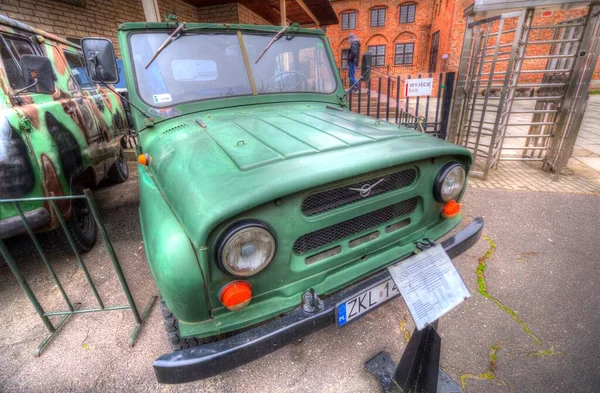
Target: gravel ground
[[538, 323]]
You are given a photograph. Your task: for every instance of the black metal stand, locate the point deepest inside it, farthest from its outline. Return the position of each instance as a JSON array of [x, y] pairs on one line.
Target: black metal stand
[[418, 369]]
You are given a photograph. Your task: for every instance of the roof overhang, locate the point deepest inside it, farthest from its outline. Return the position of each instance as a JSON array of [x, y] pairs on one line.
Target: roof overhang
[[304, 12]]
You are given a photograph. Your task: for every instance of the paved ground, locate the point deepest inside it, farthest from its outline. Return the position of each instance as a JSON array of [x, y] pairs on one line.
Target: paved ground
[[577, 178], [537, 323], [587, 146]]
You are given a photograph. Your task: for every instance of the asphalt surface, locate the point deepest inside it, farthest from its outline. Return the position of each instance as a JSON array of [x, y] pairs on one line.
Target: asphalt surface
[[541, 280]]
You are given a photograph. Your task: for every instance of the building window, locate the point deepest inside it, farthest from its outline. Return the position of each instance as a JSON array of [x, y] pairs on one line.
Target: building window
[[377, 17], [404, 53], [345, 53], [407, 13], [11, 50], [378, 52], [433, 51], [349, 20]]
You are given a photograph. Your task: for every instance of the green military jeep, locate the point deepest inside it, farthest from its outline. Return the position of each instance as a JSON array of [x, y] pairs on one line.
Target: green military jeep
[[59, 133], [264, 202]]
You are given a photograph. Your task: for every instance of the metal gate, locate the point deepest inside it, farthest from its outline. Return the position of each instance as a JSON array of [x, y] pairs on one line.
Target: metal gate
[[52, 204], [383, 97], [522, 87]]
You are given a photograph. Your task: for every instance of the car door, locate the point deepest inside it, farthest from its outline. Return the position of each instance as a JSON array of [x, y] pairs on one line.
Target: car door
[[89, 101], [18, 169]]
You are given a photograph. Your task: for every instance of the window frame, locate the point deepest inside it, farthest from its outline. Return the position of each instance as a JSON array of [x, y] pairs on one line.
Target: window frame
[[347, 52], [404, 53], [375, 55], [91, 85], [378, 10], [14, 37], [326, 58], [348, 13], [434, 51], [407, 6]]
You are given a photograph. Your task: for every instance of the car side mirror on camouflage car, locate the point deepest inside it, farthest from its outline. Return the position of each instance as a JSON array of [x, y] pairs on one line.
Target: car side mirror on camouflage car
[[100, 60], [37, 74]]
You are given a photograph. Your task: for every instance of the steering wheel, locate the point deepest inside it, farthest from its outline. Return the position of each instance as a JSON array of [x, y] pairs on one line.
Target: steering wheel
[[303, 81]]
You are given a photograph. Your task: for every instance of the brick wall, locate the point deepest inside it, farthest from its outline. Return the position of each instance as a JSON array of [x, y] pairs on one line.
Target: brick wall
[[184, 11], [223, 13], [456, 28], [246, 15], [94, 18], [229, 13], [99, 18], [390, 34], [445, 16]]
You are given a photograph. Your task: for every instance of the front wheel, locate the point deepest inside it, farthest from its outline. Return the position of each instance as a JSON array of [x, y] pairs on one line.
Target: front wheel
[[119, 171], [81, 226], [172, 327]]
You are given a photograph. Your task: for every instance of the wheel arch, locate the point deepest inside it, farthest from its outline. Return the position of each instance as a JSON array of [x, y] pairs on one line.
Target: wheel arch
[[171, 256]]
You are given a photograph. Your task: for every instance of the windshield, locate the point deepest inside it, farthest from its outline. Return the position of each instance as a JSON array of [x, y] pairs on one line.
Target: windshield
[[199, 66]]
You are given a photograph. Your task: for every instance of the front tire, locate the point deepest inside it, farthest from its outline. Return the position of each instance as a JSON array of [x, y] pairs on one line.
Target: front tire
[[171, 324], [81, 226], [119, 171]]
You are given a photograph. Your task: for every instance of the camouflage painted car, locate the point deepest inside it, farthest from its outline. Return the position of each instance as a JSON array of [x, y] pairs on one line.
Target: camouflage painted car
[[59, 133], [264, 201]]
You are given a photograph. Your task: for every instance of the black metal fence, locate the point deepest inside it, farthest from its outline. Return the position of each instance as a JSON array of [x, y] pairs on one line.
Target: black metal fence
[[384, 97]]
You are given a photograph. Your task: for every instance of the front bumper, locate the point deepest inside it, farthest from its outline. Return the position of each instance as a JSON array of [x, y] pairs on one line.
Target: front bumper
[[211, 359], [13, 226]]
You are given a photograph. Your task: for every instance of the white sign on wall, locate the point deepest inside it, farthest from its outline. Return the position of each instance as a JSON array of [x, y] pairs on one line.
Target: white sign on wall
[[418, 87]]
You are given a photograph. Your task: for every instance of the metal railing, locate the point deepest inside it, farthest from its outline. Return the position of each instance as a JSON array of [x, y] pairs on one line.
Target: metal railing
[[522, 87], [72, 307], [383, 97]]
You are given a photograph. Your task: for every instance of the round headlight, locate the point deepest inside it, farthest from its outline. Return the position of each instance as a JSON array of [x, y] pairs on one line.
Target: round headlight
[[246, 249], [449, 182]]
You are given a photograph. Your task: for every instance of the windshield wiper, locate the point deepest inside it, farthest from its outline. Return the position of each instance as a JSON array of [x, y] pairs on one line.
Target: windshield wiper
[[277, 36], [175, 35]]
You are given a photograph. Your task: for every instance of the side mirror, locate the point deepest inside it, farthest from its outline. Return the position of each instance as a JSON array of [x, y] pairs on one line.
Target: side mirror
[[365, 66], [100, 60], [38, 74]]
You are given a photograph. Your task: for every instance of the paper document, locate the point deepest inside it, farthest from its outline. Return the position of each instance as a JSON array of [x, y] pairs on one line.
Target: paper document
[[429, 284]]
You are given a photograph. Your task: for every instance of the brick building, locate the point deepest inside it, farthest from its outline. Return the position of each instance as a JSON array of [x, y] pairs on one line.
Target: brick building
[[406, 36], [384, 27], [413, 36], [73, 19]]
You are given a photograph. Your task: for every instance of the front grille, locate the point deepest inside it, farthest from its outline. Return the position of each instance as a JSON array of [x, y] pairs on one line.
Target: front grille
[[344, 229], [331, 199]]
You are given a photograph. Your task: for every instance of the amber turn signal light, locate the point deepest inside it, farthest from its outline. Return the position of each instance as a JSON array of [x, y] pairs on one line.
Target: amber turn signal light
[[451, 209], [236, 295], [144, 159]]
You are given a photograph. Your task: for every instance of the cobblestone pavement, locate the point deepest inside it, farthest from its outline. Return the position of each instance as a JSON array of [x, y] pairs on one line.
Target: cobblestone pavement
[[526, 176], [582, 175]]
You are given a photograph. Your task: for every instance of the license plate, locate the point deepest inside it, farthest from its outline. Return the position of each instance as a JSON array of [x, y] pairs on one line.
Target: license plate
[[351, 308]]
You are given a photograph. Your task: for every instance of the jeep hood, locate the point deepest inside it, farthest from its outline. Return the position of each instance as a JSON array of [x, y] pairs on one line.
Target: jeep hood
[[212, 166]]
